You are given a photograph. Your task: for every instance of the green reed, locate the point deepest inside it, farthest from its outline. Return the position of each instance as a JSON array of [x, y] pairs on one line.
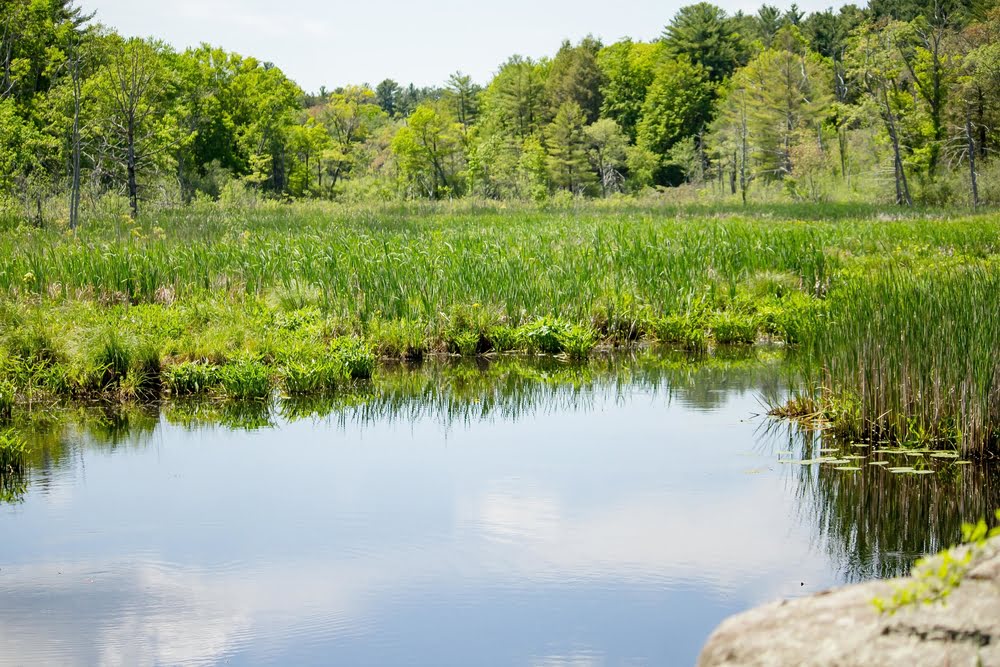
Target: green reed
[[912, 354]]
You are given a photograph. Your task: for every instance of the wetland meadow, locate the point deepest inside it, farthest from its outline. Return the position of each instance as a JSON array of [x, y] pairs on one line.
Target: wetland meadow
[[532, 435]]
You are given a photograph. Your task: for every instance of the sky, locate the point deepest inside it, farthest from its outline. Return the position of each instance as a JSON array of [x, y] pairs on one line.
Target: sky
[[335, 42]]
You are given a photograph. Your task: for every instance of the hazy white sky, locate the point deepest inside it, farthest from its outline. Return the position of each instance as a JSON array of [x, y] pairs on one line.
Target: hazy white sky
[[334, 42]]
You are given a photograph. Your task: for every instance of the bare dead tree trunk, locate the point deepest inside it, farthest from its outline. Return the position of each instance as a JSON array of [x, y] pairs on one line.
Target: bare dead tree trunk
[[743, 149], [77, 81], [133, 188], [902, 187], [732, 175], [970, 138]]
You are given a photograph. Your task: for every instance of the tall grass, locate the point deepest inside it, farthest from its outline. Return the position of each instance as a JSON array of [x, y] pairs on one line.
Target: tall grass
[[912, 354], [396, 265]]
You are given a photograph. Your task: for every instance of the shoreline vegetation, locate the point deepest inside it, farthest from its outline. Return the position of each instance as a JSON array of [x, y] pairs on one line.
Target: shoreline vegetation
[[893, 314]]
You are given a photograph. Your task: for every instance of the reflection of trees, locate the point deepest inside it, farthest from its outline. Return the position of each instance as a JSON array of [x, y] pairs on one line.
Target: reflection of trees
[[876, 524], [451, 391]]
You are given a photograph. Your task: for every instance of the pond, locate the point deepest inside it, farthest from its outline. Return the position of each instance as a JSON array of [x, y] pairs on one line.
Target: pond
[[513, 512]]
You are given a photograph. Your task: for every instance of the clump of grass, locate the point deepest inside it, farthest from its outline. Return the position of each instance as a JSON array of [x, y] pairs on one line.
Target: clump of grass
[[684, 330], [32, 345], [143, 378], [111, 361], [313, 376], [246, 379], [355, 356], [191, 377], [729, 328], [398, 339]]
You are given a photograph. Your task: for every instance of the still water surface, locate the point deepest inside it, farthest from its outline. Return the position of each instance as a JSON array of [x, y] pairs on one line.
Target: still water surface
[[449, 516]]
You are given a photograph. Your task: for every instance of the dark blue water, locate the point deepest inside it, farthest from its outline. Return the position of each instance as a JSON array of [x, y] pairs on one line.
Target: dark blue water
[[613, 524]]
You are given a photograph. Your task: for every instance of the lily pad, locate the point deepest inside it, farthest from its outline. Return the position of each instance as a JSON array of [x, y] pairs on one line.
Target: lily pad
[[878, 463], [901, 471], [944, 455]]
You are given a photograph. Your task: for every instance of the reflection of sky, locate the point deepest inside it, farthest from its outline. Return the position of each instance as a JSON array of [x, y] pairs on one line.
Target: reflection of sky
[[619, 535]]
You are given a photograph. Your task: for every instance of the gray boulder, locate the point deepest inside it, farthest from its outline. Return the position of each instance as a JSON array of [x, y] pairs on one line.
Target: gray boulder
[[842, 627]]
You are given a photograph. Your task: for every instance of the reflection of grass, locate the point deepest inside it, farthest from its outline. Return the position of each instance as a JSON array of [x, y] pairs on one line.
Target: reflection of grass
[[449, 390], [13, 452], [13, 455], [877, 524]]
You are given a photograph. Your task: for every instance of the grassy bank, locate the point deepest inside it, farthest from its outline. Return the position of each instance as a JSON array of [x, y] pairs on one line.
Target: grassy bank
[[303, 298]]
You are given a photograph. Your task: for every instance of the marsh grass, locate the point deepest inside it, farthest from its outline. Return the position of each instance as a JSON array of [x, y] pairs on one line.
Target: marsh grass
[[911, 355], [892, 306], [246, 379]]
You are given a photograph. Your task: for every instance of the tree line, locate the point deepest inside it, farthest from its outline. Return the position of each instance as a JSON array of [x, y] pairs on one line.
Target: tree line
[[898, 100]]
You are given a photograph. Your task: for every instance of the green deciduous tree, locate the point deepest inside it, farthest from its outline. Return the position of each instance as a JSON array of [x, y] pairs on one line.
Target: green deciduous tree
[[352, 116], [629, 68], [678, 105], [428, 150], [607, 146]]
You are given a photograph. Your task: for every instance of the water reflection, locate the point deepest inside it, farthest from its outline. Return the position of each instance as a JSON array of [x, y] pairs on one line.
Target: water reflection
[[458, 513]]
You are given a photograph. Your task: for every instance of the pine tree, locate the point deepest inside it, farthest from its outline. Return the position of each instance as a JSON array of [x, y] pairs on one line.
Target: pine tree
[[569, 164]]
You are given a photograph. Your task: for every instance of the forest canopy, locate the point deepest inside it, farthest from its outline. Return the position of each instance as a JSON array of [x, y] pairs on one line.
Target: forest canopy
[[898, 102]]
